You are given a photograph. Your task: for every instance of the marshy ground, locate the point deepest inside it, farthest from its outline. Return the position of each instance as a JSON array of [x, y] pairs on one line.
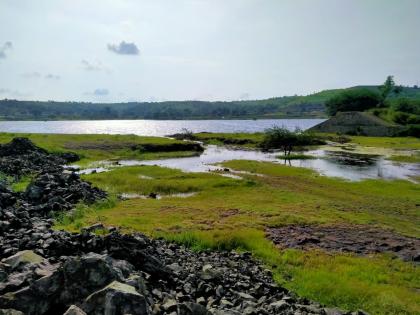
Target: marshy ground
[[230, 213]]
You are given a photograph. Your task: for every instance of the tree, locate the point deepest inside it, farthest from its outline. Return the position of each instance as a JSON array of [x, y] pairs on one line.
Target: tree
[[388, 88], [353, 100], [286, 140]]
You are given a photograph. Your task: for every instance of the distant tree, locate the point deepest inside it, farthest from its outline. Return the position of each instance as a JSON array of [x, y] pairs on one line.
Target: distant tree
[[389, 87], [353, 100]]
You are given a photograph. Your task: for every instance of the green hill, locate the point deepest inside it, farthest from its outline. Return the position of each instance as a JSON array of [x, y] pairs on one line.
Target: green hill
[[309, 106]]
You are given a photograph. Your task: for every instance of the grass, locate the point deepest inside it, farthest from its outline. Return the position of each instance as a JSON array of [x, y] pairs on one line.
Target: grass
[[232, 214], [397, 143], [413, 158], [21, 184], [246, 140], [100, 147], [296, 156]]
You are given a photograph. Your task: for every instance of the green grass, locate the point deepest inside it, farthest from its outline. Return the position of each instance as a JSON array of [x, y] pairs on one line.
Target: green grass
[[413, 158], [21, 184], [397, 143], [101, 147]]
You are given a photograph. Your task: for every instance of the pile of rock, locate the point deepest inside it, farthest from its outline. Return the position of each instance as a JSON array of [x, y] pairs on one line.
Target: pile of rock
[[44, 271]]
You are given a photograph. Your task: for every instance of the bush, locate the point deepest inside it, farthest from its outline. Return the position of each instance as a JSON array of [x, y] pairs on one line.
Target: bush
[[411, 131], [353, 100], [286, 140], [407, 106]]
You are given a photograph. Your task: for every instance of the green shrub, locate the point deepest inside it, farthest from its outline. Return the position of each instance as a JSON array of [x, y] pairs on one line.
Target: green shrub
[[353, 100]]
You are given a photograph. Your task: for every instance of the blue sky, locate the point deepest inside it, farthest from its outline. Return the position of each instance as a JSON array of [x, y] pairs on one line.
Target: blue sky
[[121, 50]]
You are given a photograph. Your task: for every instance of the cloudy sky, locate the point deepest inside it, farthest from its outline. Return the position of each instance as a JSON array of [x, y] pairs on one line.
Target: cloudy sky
[[151, 50]]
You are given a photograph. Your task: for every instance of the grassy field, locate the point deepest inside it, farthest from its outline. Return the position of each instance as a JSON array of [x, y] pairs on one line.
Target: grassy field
[[93, 148], [230, 213]]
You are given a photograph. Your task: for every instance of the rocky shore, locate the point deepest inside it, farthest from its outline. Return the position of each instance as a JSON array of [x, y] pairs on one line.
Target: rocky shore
[[45, 271]]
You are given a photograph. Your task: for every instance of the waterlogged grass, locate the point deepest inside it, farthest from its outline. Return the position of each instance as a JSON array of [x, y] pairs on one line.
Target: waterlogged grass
[[232, 214], [101, 147], [162, 180], [296, 156], [396, 143], [413, 158]]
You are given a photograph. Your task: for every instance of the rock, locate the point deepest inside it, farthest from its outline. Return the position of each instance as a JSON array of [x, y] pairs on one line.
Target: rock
[[10, 311], [170, 305], [23, 258], [192, 309], [279, 305], [74, 310], [116, 299]]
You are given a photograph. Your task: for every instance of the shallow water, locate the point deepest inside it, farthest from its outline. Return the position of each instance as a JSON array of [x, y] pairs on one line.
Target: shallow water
[[157, 196], [345, 165], [152, 127]]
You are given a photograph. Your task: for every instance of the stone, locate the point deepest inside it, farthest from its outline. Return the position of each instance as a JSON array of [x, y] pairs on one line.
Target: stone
[[116, 299], [192, 309], [23, 258], [10, 311], [74, 310]]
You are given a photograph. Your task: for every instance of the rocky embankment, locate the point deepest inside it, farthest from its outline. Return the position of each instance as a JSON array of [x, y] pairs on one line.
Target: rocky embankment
[[44, 271]]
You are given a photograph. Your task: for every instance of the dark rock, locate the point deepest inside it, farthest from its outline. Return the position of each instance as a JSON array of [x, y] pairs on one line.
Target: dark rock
[[116, 299], [192, 309], [74, 310]]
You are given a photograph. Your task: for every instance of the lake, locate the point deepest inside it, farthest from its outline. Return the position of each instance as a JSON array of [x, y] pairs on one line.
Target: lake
[[152, 127]]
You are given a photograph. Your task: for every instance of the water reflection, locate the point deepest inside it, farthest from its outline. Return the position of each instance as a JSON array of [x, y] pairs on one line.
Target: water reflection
[[346, 165]]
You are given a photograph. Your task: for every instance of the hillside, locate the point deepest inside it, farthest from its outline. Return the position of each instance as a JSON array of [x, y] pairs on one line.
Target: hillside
[[310, 106]]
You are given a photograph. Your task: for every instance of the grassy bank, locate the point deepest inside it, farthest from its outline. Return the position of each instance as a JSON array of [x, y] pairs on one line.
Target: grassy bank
[[229, 213], [93, 148]]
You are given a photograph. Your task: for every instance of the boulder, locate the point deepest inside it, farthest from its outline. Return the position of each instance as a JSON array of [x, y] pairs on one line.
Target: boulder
[[116, 299]]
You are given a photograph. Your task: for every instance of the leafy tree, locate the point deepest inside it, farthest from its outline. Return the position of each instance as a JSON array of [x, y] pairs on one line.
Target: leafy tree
[[388, 88], [353, 100]]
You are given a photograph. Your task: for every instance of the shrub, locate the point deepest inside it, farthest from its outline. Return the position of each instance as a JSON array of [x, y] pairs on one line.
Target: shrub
[[411, 131], [353, 100], [407, 106]]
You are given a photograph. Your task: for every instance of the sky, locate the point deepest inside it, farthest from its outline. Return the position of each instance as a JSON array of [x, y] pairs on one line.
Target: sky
[[155, 50]]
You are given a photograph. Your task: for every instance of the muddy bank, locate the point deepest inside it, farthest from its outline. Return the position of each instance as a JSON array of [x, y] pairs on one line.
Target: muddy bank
[[359, 239]]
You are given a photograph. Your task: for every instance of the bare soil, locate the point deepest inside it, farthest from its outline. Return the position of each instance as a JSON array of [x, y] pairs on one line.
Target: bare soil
[[359, 239]]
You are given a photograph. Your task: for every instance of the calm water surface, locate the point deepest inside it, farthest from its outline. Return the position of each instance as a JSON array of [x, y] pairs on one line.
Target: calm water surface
[[152, 127]]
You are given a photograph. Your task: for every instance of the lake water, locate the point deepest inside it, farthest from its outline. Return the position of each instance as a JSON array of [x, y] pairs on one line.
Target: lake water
[[341, 164], [152, 127]]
